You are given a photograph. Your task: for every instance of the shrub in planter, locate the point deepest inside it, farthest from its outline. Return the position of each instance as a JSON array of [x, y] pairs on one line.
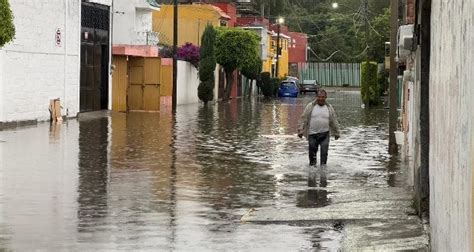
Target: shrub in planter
[[369, 86], [266, 84], [382, 79], [275, 86]]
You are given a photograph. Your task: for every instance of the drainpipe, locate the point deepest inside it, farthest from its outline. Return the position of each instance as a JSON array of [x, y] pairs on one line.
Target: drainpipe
[[175, 59], [111, 41], [1, 86]]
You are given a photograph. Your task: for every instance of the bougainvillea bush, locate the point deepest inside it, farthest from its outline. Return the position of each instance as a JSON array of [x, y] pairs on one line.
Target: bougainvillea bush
[[190, 53]]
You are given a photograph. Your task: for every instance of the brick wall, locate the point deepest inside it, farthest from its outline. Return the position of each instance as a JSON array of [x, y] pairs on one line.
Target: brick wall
[[33, 68]]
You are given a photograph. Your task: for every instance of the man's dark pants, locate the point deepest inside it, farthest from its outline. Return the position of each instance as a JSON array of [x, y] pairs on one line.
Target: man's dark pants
[[314, 141]]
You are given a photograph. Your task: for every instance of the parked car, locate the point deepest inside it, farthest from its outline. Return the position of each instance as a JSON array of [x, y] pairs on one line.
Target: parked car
[[309, 86], [288, 89], [293, 79]]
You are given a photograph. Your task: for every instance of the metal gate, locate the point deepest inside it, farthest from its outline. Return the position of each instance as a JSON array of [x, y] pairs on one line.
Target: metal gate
[[95, 44], [331, 74]]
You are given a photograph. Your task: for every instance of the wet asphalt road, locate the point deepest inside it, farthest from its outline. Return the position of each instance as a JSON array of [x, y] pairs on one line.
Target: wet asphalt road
[[230, 177]]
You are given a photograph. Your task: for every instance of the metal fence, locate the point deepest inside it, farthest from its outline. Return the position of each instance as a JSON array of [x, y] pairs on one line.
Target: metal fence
[[331, 74]]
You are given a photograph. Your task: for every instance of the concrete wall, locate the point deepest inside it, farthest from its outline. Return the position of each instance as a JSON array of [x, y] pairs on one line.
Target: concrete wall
[[33, 69], [188, 82], [451, 129]]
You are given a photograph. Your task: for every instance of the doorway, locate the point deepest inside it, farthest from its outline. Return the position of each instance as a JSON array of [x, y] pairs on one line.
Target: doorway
[[95, 44]]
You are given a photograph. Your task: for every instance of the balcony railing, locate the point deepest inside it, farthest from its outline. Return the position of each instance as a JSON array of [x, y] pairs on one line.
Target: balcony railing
[[147, 38]]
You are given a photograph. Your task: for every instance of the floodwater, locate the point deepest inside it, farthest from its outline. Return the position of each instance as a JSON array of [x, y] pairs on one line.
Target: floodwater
[[227, 177]]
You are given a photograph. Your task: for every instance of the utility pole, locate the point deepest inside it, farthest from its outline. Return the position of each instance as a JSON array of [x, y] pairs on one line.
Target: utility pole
[[393, 114], [278, 50], [280, 21], [175, 54], [366, 19]]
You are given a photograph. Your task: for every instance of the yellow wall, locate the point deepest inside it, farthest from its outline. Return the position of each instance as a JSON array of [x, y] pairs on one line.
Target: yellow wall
[[192, 20], [166, 80], [267, 64], [283, 61]]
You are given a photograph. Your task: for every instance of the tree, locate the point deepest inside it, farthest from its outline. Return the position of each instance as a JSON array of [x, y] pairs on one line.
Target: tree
[[207, 65], [235, 49], [252, 71], [339, 33], [7, 29], [379, 35]]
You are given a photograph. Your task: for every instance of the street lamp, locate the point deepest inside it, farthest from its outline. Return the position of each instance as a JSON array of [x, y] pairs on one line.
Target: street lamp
[[280, 21]]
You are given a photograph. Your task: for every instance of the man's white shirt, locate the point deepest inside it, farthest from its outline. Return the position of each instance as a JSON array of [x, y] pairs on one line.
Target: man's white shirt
[[319, 121]]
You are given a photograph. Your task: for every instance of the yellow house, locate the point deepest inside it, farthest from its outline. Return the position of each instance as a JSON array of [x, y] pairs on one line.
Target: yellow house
[[267, 63], [192, 20], [283, 60]]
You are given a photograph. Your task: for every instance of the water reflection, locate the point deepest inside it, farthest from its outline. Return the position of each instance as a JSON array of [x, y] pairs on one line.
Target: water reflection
[[312, 198], [93, 172]]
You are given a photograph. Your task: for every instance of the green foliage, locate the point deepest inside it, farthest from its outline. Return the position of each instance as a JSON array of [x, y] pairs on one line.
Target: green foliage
[[253, 69], [369, 86], [340, 31], [235, 49], [382, 80], [7, 29], [266, 84], [206, 91], [207, 65], [381, 24], [275, 84], [269, 85]]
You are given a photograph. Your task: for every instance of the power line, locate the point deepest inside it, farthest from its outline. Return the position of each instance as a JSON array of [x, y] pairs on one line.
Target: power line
[[339, 51], [357, 14]]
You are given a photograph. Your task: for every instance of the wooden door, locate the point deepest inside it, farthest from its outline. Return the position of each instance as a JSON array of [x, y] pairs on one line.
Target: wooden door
[[144, 87], [119, 84]]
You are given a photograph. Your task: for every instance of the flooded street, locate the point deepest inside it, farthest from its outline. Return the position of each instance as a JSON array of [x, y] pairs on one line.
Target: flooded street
[[228, 177]]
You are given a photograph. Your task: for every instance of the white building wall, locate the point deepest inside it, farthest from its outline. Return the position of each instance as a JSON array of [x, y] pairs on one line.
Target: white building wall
[[451, 129], [34, 69], [123, 22], [188, 82], [128, 20]]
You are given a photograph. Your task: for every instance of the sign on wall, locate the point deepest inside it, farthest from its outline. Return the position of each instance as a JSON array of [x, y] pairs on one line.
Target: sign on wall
[[58, 38]]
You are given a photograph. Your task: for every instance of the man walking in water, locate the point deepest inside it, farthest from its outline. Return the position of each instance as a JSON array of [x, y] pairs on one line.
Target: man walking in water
[[317, 123]]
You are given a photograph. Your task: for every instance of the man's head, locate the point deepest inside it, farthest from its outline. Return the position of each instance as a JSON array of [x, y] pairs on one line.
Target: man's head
[[321, 97]]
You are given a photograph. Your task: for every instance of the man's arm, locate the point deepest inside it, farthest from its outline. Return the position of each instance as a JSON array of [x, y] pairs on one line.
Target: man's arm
[[335, 124], [303, 120]]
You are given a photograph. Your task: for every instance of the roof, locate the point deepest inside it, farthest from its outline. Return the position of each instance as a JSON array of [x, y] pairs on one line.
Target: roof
[[153, 3], [221, 12], [282, 35]]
